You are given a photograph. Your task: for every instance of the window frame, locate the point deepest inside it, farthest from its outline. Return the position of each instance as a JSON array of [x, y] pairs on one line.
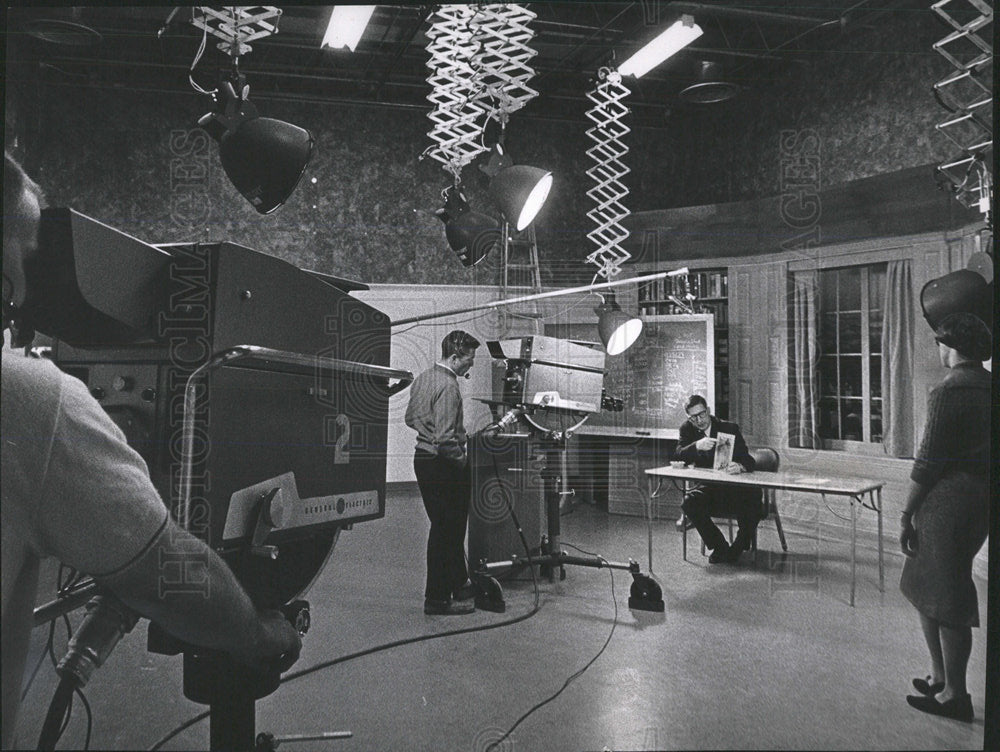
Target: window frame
[[865, 445]]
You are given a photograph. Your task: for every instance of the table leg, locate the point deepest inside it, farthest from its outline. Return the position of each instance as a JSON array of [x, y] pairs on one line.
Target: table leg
[[854, 543], [877, 501]]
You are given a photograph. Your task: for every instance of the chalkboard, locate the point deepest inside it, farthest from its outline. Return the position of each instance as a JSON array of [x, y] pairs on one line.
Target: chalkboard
[[673, 359]]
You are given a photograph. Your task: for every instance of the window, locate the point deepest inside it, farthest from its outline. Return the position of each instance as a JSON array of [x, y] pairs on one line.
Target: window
[[850, 323]]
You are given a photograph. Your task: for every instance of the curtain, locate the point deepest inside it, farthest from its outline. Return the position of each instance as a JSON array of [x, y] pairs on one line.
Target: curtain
[[897, 362], [803, 392]]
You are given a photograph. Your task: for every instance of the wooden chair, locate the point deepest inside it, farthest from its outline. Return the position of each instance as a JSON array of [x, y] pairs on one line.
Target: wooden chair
[[767, 460]]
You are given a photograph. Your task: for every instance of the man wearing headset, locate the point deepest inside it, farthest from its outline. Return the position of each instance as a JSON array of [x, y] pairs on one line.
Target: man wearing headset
[[441, 464], [73, 489]]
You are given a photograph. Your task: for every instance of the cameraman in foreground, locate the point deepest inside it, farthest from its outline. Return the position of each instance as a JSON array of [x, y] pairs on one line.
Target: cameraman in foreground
[[73, 489]]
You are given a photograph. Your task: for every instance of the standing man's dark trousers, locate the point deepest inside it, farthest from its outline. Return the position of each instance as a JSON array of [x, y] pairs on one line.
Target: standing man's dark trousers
[[445, 487], [701, 502]]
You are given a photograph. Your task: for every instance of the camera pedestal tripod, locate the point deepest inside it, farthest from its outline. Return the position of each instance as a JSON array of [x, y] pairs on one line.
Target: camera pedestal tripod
[[644, 595], [231, 690]]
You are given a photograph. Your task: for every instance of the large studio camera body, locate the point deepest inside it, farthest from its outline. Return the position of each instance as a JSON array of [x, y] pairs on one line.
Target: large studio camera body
[[256, 392], [290, 389]]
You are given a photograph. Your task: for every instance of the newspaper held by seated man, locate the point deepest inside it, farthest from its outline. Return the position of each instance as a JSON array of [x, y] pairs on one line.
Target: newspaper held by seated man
[[723, 450]]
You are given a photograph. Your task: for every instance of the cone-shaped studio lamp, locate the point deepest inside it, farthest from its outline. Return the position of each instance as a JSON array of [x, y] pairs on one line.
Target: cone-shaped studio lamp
[[519, 191], [471, 234], [263, 158], [618, 330]]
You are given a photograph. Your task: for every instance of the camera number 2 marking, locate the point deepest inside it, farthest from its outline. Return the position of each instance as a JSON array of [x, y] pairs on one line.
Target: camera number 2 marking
[[341, 454]]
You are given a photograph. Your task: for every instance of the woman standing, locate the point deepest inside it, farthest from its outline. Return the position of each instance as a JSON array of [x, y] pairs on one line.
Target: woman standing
[[945, 520]]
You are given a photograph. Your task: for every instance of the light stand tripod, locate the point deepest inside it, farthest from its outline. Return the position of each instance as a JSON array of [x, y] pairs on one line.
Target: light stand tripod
[[644, 595]]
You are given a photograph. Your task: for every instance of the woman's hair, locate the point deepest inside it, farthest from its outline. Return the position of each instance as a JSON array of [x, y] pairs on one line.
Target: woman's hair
[[966, 334]]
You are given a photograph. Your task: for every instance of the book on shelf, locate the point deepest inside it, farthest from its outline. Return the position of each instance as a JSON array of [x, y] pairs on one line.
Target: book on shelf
[[716, 289], [706, 285]]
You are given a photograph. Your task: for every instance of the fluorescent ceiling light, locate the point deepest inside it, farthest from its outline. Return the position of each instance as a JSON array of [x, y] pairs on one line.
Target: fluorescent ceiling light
[[679, 35], [347, 24]]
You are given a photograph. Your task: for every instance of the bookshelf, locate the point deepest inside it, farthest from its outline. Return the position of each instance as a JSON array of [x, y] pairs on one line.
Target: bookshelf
[[710, 288]]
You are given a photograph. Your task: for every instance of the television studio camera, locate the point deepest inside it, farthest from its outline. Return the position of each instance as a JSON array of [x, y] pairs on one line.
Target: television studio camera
[[544, 389], [256, 392]]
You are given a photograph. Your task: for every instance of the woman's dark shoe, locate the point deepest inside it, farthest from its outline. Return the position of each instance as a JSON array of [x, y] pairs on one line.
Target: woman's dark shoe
[[924, 686], [958, 708]]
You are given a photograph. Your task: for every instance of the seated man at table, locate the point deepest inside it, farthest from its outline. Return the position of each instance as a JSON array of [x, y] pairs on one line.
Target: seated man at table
[[696, 446]]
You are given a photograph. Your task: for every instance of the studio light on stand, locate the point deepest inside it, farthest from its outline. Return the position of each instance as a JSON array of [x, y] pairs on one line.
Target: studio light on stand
[[263, 158], [471, 234], [519, 191], [645, 594], [618, 330]]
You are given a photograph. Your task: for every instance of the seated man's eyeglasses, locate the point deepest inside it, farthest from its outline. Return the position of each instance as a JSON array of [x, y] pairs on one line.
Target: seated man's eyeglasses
[[699, 416]]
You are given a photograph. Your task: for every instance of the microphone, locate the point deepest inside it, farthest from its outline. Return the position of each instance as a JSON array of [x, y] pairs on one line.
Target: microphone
[[468, 375]]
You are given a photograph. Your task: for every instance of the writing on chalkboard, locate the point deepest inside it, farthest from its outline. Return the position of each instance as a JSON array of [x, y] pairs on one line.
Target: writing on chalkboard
[[673, 359]]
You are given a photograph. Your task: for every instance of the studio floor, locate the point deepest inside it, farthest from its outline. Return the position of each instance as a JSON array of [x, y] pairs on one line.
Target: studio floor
[[770, 656]]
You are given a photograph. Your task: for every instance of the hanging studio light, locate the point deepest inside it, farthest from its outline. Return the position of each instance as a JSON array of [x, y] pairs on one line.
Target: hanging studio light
[[263, 158], [471, 234], [519, 191], [618, 330]]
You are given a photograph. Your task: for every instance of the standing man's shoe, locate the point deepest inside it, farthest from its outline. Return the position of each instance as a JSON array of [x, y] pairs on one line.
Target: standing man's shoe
[[464, 593], [448, 608]]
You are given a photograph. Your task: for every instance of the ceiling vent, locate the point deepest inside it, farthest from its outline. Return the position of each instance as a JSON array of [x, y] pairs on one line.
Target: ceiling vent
[[709, 86]]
